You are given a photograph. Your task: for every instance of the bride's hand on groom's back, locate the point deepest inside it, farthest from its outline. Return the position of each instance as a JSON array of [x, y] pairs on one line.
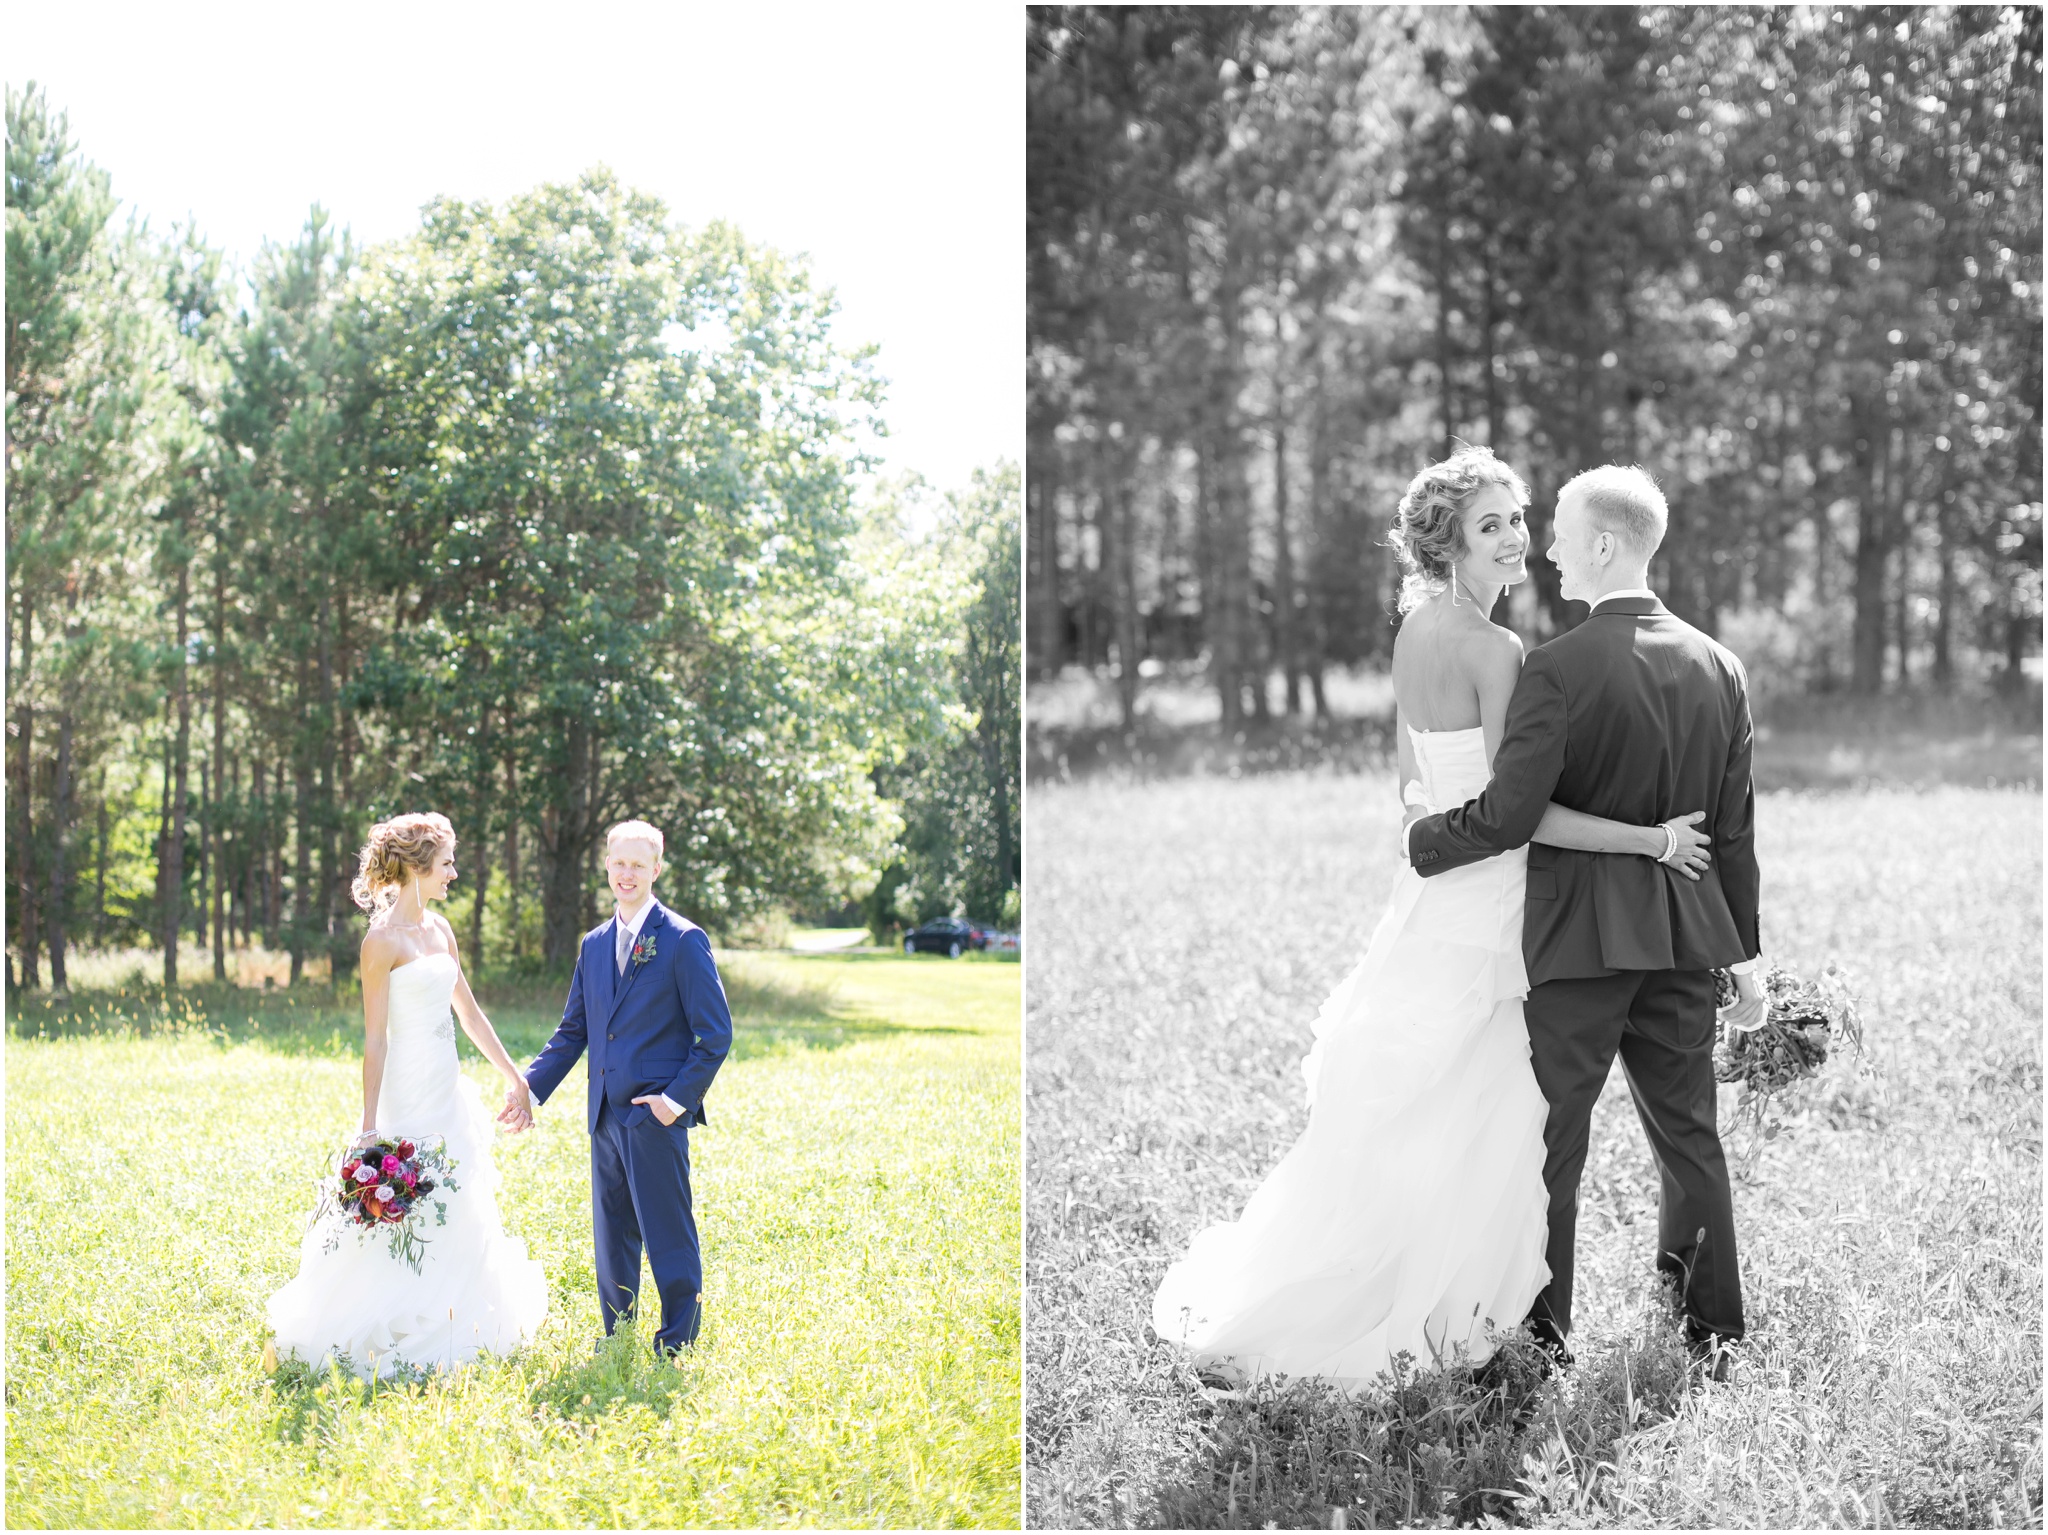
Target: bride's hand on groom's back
[[1689, 856]]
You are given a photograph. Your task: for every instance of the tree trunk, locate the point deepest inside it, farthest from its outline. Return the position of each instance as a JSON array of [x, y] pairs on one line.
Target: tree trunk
[[1872, 558], [332, 937], [1046, 620], [163, 822], [1120, 530], [482, 844], [1443, 333], [215, 829], [1286, 631], [206, 869], [257, 920], [1904, 474], [273, 893], [306, 832], [238, 861], [1320, 524], [174, 836], [567, 835], [99, 899], [28, 942], [1234, 599], [1944, 591], [1230, 502], [60, 854], [1492, 320], [512, 854]]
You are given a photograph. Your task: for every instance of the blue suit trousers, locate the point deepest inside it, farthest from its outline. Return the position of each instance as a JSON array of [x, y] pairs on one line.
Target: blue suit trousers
[[640, 1197]]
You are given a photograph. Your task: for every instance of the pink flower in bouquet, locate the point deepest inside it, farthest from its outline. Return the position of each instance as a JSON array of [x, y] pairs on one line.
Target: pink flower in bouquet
[[411, 1182], [366, 1174], [406, 1149], [384, 1192], [391, 1164]]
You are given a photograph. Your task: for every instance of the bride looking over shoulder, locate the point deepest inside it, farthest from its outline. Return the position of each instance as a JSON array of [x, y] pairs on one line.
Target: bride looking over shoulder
[[1411, 1215], [475, 1288]]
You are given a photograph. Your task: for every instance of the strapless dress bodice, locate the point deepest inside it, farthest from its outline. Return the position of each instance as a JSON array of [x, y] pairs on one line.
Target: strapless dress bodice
[[1451, 765]]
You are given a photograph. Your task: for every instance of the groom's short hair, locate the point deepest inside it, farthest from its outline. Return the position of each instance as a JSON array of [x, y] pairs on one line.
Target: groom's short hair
[[636, 831], [1623, 500]]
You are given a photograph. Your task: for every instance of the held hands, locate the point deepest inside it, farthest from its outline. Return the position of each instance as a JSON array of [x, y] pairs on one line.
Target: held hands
[[658, 1108], [1690, 856], [517, 1114]]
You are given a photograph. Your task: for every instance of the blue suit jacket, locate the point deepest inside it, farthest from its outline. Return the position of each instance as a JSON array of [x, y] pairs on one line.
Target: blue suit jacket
[[662, 1027]]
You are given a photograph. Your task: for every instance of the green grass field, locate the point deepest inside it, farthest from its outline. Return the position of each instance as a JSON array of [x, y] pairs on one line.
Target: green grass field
[[1184, 933], [857, 1190]]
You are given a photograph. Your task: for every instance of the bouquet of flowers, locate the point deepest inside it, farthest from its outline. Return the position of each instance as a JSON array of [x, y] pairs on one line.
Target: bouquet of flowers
[[1804, 1022], [383, 1187]]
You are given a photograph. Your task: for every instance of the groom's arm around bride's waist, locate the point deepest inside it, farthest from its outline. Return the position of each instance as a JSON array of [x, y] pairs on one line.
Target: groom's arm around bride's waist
[[1525, 773]]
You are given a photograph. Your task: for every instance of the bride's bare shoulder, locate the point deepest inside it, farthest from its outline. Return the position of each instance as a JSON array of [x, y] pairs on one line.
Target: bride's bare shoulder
[[1488, 653], [379, 949]]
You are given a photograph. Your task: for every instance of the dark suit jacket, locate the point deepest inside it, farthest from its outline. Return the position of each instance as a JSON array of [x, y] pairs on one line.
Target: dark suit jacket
[[662, 1027], [1637, 716]]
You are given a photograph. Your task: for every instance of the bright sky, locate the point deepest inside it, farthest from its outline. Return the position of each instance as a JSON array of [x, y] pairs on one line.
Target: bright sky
[[883, 140]]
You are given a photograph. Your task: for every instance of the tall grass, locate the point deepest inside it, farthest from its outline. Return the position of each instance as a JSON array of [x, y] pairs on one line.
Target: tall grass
[[1183, 935], [857, 1192]]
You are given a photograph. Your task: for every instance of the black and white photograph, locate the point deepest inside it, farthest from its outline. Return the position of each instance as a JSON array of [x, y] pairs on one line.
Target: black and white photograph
[[1533, 767]]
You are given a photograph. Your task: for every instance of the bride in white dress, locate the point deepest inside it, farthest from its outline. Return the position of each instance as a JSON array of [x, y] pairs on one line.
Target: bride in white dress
[[476, 1288], [1411, 1214]]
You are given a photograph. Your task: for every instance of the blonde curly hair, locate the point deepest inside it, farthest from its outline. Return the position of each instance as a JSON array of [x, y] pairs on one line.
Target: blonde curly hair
[[1427, 536], [398, 849]]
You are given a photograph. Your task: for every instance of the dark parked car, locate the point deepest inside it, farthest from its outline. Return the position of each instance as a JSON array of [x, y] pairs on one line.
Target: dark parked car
[[948, 936]]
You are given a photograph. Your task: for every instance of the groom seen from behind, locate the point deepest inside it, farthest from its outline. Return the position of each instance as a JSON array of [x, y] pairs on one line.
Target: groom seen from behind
[[646, 1002], [1637, 716]]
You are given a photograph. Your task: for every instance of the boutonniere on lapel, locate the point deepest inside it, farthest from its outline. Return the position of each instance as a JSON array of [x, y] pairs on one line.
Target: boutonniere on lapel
[[643, 949]]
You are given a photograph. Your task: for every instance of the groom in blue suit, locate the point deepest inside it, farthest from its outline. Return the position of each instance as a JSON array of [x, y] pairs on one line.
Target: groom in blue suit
[[647, 1004]]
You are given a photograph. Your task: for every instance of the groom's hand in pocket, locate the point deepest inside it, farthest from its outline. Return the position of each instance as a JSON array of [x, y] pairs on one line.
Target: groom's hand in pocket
[[658, 1106]]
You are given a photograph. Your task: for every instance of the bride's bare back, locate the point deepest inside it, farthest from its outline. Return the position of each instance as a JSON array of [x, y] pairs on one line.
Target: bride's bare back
[[1444, 656]]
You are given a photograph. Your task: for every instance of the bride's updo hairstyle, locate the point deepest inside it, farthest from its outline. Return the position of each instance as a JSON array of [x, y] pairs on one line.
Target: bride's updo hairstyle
[[1427, 535], [398, 849]]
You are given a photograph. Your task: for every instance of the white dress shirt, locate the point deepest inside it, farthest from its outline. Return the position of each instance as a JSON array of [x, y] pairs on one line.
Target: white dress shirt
[[1743, 967], [1633, 591]]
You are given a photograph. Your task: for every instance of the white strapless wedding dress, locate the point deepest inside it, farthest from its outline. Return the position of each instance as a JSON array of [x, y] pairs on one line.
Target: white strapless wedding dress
[[476, 1288], [1412, 1210]]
